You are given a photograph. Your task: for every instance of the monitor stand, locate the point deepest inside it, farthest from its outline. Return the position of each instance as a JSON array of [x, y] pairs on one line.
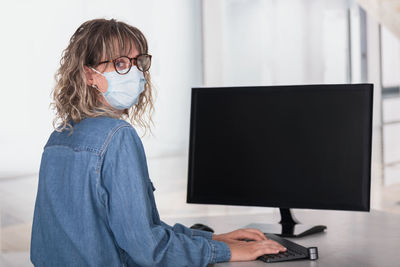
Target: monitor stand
[[288, 226]]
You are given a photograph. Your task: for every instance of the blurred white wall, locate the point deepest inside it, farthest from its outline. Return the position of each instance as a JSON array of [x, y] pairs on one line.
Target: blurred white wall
[[391, 106], [33, 36], [267, 42], [390, 58]]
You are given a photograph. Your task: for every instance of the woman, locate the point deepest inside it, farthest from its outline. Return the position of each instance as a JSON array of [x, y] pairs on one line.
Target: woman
[[95, 203]]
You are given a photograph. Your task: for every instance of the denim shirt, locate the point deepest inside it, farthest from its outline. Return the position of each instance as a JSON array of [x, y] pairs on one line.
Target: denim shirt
[[95, 205]]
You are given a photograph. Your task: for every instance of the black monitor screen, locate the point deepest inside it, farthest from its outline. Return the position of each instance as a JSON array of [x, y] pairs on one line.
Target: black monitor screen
[[305, 146]]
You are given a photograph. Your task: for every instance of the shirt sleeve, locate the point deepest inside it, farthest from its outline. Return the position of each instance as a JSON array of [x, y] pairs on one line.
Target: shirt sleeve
[[180, 228], [130, 213]]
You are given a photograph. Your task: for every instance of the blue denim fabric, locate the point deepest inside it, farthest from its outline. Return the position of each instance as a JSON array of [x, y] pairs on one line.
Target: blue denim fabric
[[95, 205]]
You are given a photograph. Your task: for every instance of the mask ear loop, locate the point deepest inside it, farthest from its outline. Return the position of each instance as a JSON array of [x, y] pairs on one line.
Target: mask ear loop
[[98, 72]]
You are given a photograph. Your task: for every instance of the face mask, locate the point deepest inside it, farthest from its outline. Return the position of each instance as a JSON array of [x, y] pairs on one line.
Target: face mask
[[123, 90]]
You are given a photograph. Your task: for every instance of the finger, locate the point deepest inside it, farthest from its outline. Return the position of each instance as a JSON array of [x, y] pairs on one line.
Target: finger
[[267, 250], [250, 235], [272, 244], [270, 250], [279, 247], [256, 231], [275, 243]]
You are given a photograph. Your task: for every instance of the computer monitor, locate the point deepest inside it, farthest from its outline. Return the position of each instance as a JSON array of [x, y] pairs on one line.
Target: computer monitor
[[302, 146]]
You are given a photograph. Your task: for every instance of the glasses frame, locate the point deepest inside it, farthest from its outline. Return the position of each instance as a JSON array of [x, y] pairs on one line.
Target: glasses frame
[[132, 61]]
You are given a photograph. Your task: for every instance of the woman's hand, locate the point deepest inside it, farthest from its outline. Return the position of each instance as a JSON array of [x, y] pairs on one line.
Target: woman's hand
[[240, 234], [246, 251]]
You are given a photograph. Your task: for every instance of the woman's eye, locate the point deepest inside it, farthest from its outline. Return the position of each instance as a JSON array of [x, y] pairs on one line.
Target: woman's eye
[[120, 64]]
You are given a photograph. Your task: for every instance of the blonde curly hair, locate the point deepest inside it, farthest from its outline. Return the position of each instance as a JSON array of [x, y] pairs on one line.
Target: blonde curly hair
[[93, 41]]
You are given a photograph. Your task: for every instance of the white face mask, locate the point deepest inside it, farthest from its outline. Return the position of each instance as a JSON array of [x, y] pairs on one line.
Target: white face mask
[[123, 90]]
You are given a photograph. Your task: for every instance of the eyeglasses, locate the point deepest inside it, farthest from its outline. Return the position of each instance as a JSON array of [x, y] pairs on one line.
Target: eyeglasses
[[123, 65]]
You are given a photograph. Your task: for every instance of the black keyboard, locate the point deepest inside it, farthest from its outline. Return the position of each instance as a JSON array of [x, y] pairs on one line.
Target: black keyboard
[[293, 251]]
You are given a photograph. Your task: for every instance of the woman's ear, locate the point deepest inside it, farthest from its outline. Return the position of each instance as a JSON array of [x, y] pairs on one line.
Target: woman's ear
[[89, 75], [96, 80]]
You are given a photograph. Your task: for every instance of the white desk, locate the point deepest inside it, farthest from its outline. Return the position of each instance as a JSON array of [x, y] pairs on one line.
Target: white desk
[[352, 238]]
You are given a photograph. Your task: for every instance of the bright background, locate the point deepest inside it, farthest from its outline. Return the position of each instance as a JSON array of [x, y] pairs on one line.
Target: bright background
[[193, 43]]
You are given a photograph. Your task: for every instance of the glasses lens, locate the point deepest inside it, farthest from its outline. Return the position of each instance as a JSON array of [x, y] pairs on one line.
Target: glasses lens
[[122, 65], [143, 62]]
